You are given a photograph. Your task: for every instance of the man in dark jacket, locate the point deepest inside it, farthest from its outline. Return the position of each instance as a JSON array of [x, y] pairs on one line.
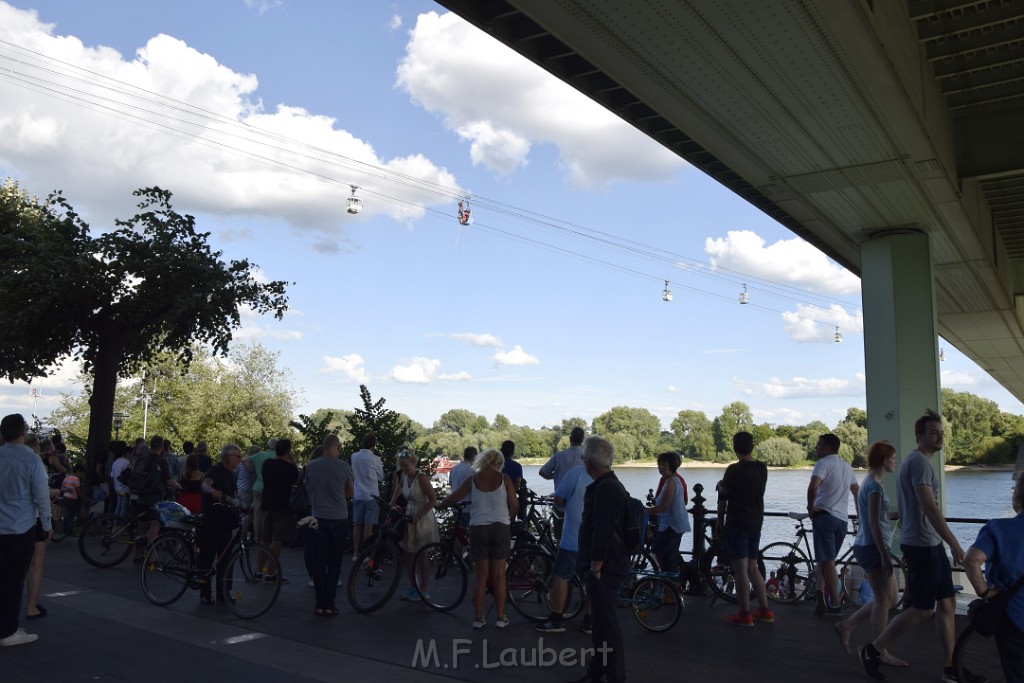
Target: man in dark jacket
[[603, 559]]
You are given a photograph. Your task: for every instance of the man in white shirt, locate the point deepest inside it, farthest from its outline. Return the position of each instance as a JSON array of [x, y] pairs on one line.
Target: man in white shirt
[[368, 472], [460, 473], [828, 504]]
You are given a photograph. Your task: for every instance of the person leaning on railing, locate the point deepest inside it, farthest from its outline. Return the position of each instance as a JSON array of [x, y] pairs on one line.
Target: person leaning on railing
[[1000, 548]]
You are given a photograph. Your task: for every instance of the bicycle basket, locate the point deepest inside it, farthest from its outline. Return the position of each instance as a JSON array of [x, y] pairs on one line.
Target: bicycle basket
[[174, 515]]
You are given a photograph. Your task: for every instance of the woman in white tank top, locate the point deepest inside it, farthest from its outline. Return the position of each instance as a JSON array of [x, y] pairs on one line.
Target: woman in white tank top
[[494, 504]]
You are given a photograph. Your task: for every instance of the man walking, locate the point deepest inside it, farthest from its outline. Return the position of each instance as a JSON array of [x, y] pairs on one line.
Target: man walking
[[369, 473], [741, 506], [930, 593], [24, 496], [828, 506], [603, 558]]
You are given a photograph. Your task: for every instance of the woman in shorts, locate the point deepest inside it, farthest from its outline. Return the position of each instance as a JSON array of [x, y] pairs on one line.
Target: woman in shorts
[[495, 504], [871, 548]]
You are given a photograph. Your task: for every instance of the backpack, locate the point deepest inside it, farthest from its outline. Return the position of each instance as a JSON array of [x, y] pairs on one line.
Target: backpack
[[634, 523], [140, 476]]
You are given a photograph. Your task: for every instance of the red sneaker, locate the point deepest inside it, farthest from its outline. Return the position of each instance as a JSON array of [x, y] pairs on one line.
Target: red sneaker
[[740, 619], [763, 615]]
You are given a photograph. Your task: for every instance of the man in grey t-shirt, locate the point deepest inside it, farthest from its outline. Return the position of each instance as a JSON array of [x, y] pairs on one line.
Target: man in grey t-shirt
[[329, 483], [930, 591]]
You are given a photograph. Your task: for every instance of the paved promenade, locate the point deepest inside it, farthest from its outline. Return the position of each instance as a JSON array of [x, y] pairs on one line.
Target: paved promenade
[[101, 628]]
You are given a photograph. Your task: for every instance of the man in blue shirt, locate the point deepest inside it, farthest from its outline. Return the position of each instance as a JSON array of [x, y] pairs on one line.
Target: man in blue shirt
[[24, 497]]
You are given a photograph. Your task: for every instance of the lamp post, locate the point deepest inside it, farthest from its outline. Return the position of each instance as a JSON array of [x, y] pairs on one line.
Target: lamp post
[[119, 418]]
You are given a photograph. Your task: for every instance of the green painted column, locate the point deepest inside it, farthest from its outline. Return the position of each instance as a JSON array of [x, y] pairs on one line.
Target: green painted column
[[900, 341]]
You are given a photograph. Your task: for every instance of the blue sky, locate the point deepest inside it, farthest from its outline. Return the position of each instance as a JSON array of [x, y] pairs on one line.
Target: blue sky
[[260, 115]]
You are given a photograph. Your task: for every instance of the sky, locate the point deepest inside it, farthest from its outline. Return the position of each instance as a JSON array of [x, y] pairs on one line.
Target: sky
[[260, 115]]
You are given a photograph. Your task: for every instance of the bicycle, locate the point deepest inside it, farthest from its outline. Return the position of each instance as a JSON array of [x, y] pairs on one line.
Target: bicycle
[[795, 571], [449, 569], [977, 654], [378, 568], [251, 580], [655, 600], [61, 510], [107, 540]]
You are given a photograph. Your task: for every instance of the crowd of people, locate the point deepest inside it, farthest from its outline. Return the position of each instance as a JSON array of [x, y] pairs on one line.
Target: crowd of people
[[594, 505]]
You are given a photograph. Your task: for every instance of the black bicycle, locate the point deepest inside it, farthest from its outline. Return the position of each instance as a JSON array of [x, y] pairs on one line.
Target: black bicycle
[[376, 571], [252, 576]]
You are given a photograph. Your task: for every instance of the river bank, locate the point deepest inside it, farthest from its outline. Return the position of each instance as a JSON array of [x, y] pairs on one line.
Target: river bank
[[693, 464]]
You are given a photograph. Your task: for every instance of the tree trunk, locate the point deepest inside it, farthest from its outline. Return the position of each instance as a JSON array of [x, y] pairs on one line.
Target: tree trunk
[[101, 402]]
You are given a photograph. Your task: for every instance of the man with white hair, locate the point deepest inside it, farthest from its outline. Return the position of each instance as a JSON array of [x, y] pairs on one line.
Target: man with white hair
[[603, 559]]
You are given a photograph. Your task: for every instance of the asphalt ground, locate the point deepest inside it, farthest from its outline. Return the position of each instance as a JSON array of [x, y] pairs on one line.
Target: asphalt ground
[[100, 627]]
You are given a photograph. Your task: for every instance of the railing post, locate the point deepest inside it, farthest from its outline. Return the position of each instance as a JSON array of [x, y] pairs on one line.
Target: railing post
[[699, 512]]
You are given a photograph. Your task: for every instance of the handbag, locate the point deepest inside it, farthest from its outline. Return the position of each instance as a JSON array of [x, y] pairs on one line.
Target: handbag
[[985, 615]]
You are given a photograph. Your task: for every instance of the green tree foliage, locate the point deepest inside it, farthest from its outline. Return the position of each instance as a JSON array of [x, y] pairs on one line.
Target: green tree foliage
[[779, 452], [244, 399], [735, 417], [639, 423], [807, 437], [855, 438], [313, 431], [856, 416], [393, 430], [970, 418], [115, 300], [461, 421], [692, 429], [502, 423]]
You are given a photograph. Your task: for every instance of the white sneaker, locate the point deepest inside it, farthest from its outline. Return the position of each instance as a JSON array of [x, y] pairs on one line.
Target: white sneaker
[[19, 637], [501, 622], [310, 583], [479, 623], [355, 557]]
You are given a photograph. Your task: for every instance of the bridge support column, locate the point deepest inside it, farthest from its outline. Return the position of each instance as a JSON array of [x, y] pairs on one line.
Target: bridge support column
[[900, 340]]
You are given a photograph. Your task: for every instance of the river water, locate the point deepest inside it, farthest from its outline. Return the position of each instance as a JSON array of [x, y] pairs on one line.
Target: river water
[[969, 494]]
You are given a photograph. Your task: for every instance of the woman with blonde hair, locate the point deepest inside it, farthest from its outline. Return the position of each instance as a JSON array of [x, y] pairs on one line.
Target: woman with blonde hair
[[495, 504], [422, 528]]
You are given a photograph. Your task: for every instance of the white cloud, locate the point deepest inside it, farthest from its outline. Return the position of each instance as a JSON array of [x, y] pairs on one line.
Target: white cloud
[[474, 339], [672, 388], [59, 379], [351, 366], [793, 262], [502, 103], [951, 378], [456, 377], [263, 6], [420, 370], [252, 329], [802, 387], [516, 356], [395, 22], [226, 163], [816, 324]]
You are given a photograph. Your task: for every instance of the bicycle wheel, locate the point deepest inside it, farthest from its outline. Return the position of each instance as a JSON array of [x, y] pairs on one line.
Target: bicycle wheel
[[857, 588], [792, 570], [975, 654], [374, 577], [167, 569], [656, 603], [446, 579], [251, 581], [106, 541], [717, 572], [527, 576]]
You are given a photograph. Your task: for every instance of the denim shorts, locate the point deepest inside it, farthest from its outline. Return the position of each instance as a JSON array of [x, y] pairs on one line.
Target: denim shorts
[[565, 564], [366, 512], [868, 557], [929, 576], [741, 543], [829, 532]]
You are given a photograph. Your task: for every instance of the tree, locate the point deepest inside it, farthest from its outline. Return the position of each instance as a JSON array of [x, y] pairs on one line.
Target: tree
[[692, 429], [244, 400], [639, 423], [855, 437], [735, 417], [502, 423], [779, 452], [462, 421], [971, 419], [392, 429], [857, 416], [117, 299]]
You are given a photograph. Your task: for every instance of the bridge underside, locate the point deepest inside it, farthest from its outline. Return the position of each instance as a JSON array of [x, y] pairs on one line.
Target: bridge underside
[[844, 120]]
